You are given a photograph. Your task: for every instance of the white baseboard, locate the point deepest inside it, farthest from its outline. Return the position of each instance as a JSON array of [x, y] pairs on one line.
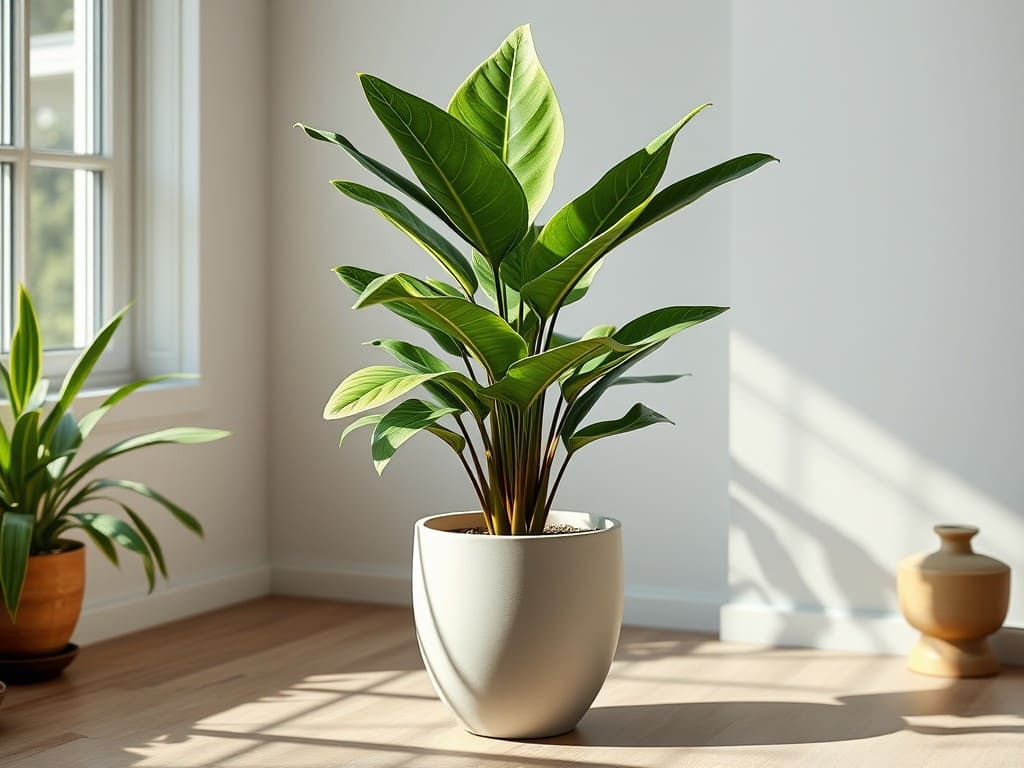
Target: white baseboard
[[373, 584], [140, 611], [864, 632]]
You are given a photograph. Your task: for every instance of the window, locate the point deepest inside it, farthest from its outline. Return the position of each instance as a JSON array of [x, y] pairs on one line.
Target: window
[[65, 149]]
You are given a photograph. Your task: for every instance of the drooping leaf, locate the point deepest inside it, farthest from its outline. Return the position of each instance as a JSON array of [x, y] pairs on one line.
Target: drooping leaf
[[378, 169], [680, 194], [478, 192], [443, 252], [508, 102], [26, 354], [358, 279], [15, 544], [487, 337], [401, 423], [117, 530], [149, 537], [141, 489], [622, 189], [529, 377], [658, 378], [450, 392], [637, 417]]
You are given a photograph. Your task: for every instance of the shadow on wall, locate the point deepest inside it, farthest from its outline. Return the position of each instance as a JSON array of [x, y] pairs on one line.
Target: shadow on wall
[[825, 503]]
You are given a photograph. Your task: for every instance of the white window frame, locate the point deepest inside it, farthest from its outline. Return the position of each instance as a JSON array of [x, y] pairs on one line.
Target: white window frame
[[157, 213], [109, 285]]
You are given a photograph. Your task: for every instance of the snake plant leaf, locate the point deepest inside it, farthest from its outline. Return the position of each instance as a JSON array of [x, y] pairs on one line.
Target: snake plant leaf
[[172, 436], [24, 449], [79, 373], [378, 169], [508, 102], [643, 332], [491, 341], [363, 421], [622, 189], [91, 419], [63, 445], [15, 542], [547, 292], [529, 377], [477, 192], [404, 421], [117, 530], [148, 536], [680, 194], [146, 492], [358, 279], [637, 417], [37, 399], [451, 392], [394, 211], [26, 354]]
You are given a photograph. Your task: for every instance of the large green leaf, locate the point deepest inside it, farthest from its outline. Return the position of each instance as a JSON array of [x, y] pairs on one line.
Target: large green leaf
[[491, 340], [358, 279], [642, 333], [529, 377], [401, 423], [451, 392], [679, 195], [446, 254], [657, 378], [508, 102], [24, 453], [15, 544], [478, 192], [548, 291], [374, 386], [378, 169], [637, 417], [26, 353], [614, 196], [364, 421]]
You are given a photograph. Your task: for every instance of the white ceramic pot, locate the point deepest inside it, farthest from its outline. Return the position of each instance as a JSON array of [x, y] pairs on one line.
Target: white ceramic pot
[[517, 632]]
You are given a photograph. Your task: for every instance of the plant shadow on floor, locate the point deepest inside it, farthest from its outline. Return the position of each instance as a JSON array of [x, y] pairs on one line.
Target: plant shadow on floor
[[761, 723]]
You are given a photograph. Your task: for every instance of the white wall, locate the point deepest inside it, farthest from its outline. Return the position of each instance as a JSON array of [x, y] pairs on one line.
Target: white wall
[[338, 530], [224, 483], [876, 275]]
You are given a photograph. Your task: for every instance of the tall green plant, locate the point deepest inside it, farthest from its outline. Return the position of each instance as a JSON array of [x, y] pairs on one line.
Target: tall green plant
[[485, 168], [47, 487]]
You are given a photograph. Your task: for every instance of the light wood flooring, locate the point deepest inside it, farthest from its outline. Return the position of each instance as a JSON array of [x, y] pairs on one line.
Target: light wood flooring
[[282, 682]]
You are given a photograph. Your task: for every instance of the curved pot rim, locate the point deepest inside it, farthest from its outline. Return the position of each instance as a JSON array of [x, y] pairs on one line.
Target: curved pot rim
[[611, 524], [67, 547]]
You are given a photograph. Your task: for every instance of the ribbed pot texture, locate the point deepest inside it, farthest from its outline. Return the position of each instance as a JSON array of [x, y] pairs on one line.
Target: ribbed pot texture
[[51, 602], [517, 632]]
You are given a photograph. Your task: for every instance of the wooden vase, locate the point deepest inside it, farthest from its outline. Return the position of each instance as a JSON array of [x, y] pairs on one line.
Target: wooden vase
[[51, 602], [956, 598]]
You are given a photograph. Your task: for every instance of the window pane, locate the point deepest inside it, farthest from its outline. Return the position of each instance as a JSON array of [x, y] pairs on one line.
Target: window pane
[[63, 71], [61, 268], [6, 71], [6, 253]]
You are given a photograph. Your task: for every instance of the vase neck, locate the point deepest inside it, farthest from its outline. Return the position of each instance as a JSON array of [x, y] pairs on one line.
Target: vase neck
[[956, 539]]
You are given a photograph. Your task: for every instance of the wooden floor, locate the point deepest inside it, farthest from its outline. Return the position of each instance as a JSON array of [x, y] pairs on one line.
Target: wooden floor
[[282, 682]]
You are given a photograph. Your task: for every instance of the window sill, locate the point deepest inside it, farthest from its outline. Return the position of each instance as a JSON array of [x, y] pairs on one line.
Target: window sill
[[152, 406]]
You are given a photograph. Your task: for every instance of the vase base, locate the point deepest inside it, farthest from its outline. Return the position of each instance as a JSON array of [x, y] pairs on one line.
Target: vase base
[[953, 658]]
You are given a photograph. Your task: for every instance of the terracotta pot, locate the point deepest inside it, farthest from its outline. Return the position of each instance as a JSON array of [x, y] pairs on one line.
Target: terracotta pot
[[517, 632], [51, 601], [956, 599]]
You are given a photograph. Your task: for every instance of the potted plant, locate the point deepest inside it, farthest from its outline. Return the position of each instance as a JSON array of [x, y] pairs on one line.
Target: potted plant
[[518, 623], [48, 490]]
